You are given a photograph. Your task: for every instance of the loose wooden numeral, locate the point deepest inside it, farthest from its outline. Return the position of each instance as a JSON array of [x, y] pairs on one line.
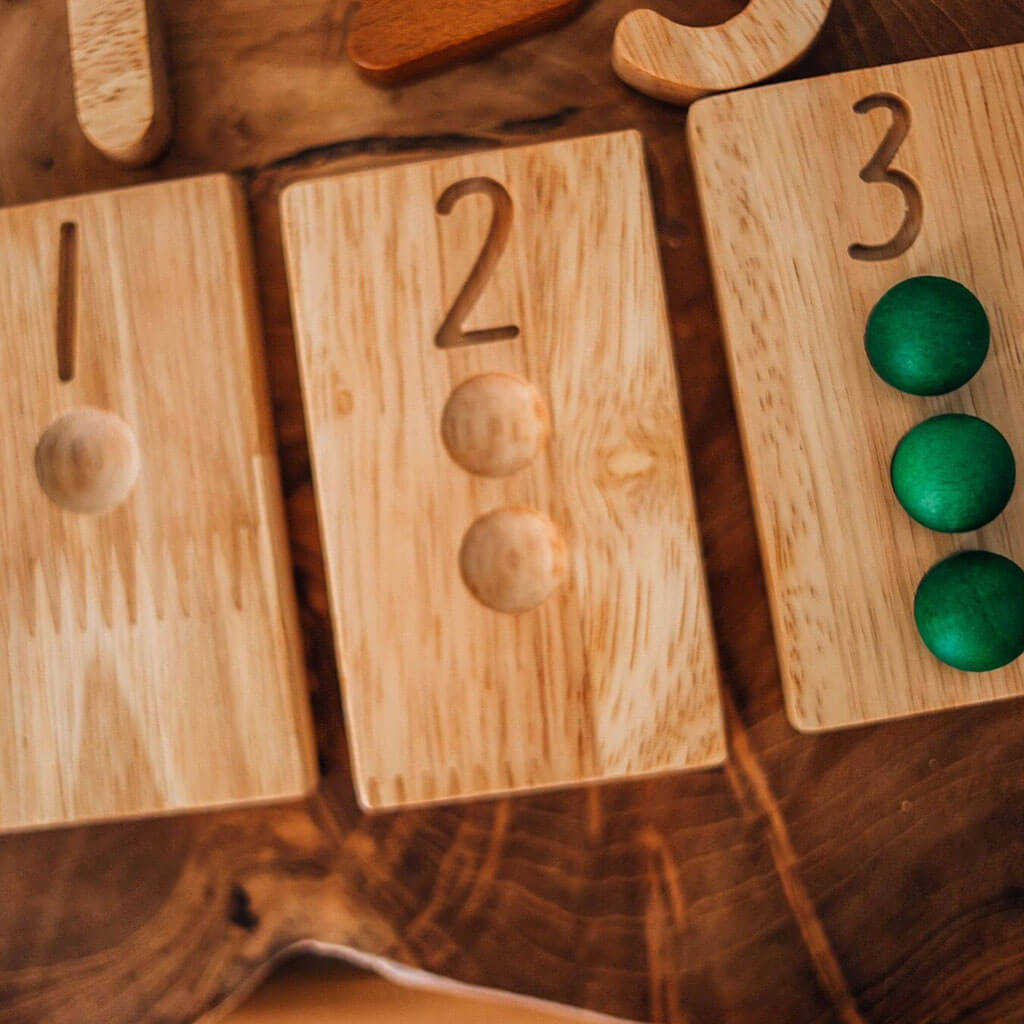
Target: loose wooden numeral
[[451, 334], [879, 170]]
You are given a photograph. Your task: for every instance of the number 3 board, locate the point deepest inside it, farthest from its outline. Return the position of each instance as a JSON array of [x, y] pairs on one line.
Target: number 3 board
[[504, 497], [818, 196]]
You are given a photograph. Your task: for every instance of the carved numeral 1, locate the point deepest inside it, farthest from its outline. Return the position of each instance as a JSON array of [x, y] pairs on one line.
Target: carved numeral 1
[[67, 301]]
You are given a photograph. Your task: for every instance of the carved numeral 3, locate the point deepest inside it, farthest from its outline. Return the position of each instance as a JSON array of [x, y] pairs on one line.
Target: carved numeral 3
[[878, 169]]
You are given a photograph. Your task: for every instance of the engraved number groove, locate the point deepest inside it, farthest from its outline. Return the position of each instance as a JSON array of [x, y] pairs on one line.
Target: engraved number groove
[[879, 170], [451, 334], [67, 300]]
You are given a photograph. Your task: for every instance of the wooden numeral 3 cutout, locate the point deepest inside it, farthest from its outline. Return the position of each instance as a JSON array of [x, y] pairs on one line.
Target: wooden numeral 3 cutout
[[505, 509], [681, 63]]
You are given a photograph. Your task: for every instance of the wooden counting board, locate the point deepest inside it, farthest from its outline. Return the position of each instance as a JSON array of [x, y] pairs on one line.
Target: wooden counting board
[[151, 658], [503, 490], [925, 177]]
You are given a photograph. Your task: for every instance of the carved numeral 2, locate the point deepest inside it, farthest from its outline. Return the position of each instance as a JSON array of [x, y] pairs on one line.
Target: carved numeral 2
[[879, 169], [451, 334]]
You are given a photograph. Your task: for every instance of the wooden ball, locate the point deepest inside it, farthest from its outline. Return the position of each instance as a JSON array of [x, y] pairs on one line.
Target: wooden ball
[[969, 611], [513, 559], [494, 424], [927, 336], [87, 461], [953, 473]]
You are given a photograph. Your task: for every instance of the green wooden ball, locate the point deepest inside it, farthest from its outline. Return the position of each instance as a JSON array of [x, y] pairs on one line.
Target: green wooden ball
[[927, 336], [953, 473], [969, 611]]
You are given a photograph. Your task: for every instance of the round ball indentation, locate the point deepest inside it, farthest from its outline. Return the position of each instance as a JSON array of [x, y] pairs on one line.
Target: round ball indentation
[[969, 611], [512, 559], [927, 336], [494, 424], [87, 461], [953, 473]]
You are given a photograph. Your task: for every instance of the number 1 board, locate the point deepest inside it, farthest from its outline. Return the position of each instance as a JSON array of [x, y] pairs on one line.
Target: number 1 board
[[512, 550], [151, 659], [780, 175]]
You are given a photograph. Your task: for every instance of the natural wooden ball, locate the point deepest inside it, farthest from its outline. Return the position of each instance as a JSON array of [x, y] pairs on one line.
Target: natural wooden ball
[[953, 473], [87, 461], [927, 336], [494, 424], [513, 559], [969, 611]]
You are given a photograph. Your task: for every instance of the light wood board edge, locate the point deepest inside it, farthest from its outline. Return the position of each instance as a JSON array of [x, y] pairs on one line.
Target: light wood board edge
[[273, 509]]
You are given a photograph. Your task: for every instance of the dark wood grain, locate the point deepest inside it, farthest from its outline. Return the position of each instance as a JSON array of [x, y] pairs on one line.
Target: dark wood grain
[[873, 876]]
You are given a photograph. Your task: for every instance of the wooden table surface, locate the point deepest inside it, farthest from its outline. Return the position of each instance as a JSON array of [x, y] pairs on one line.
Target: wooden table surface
[[872, 875]]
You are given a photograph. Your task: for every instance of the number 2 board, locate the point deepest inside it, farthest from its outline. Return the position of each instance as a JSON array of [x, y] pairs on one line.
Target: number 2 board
[[791, 176], [512, 551]]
